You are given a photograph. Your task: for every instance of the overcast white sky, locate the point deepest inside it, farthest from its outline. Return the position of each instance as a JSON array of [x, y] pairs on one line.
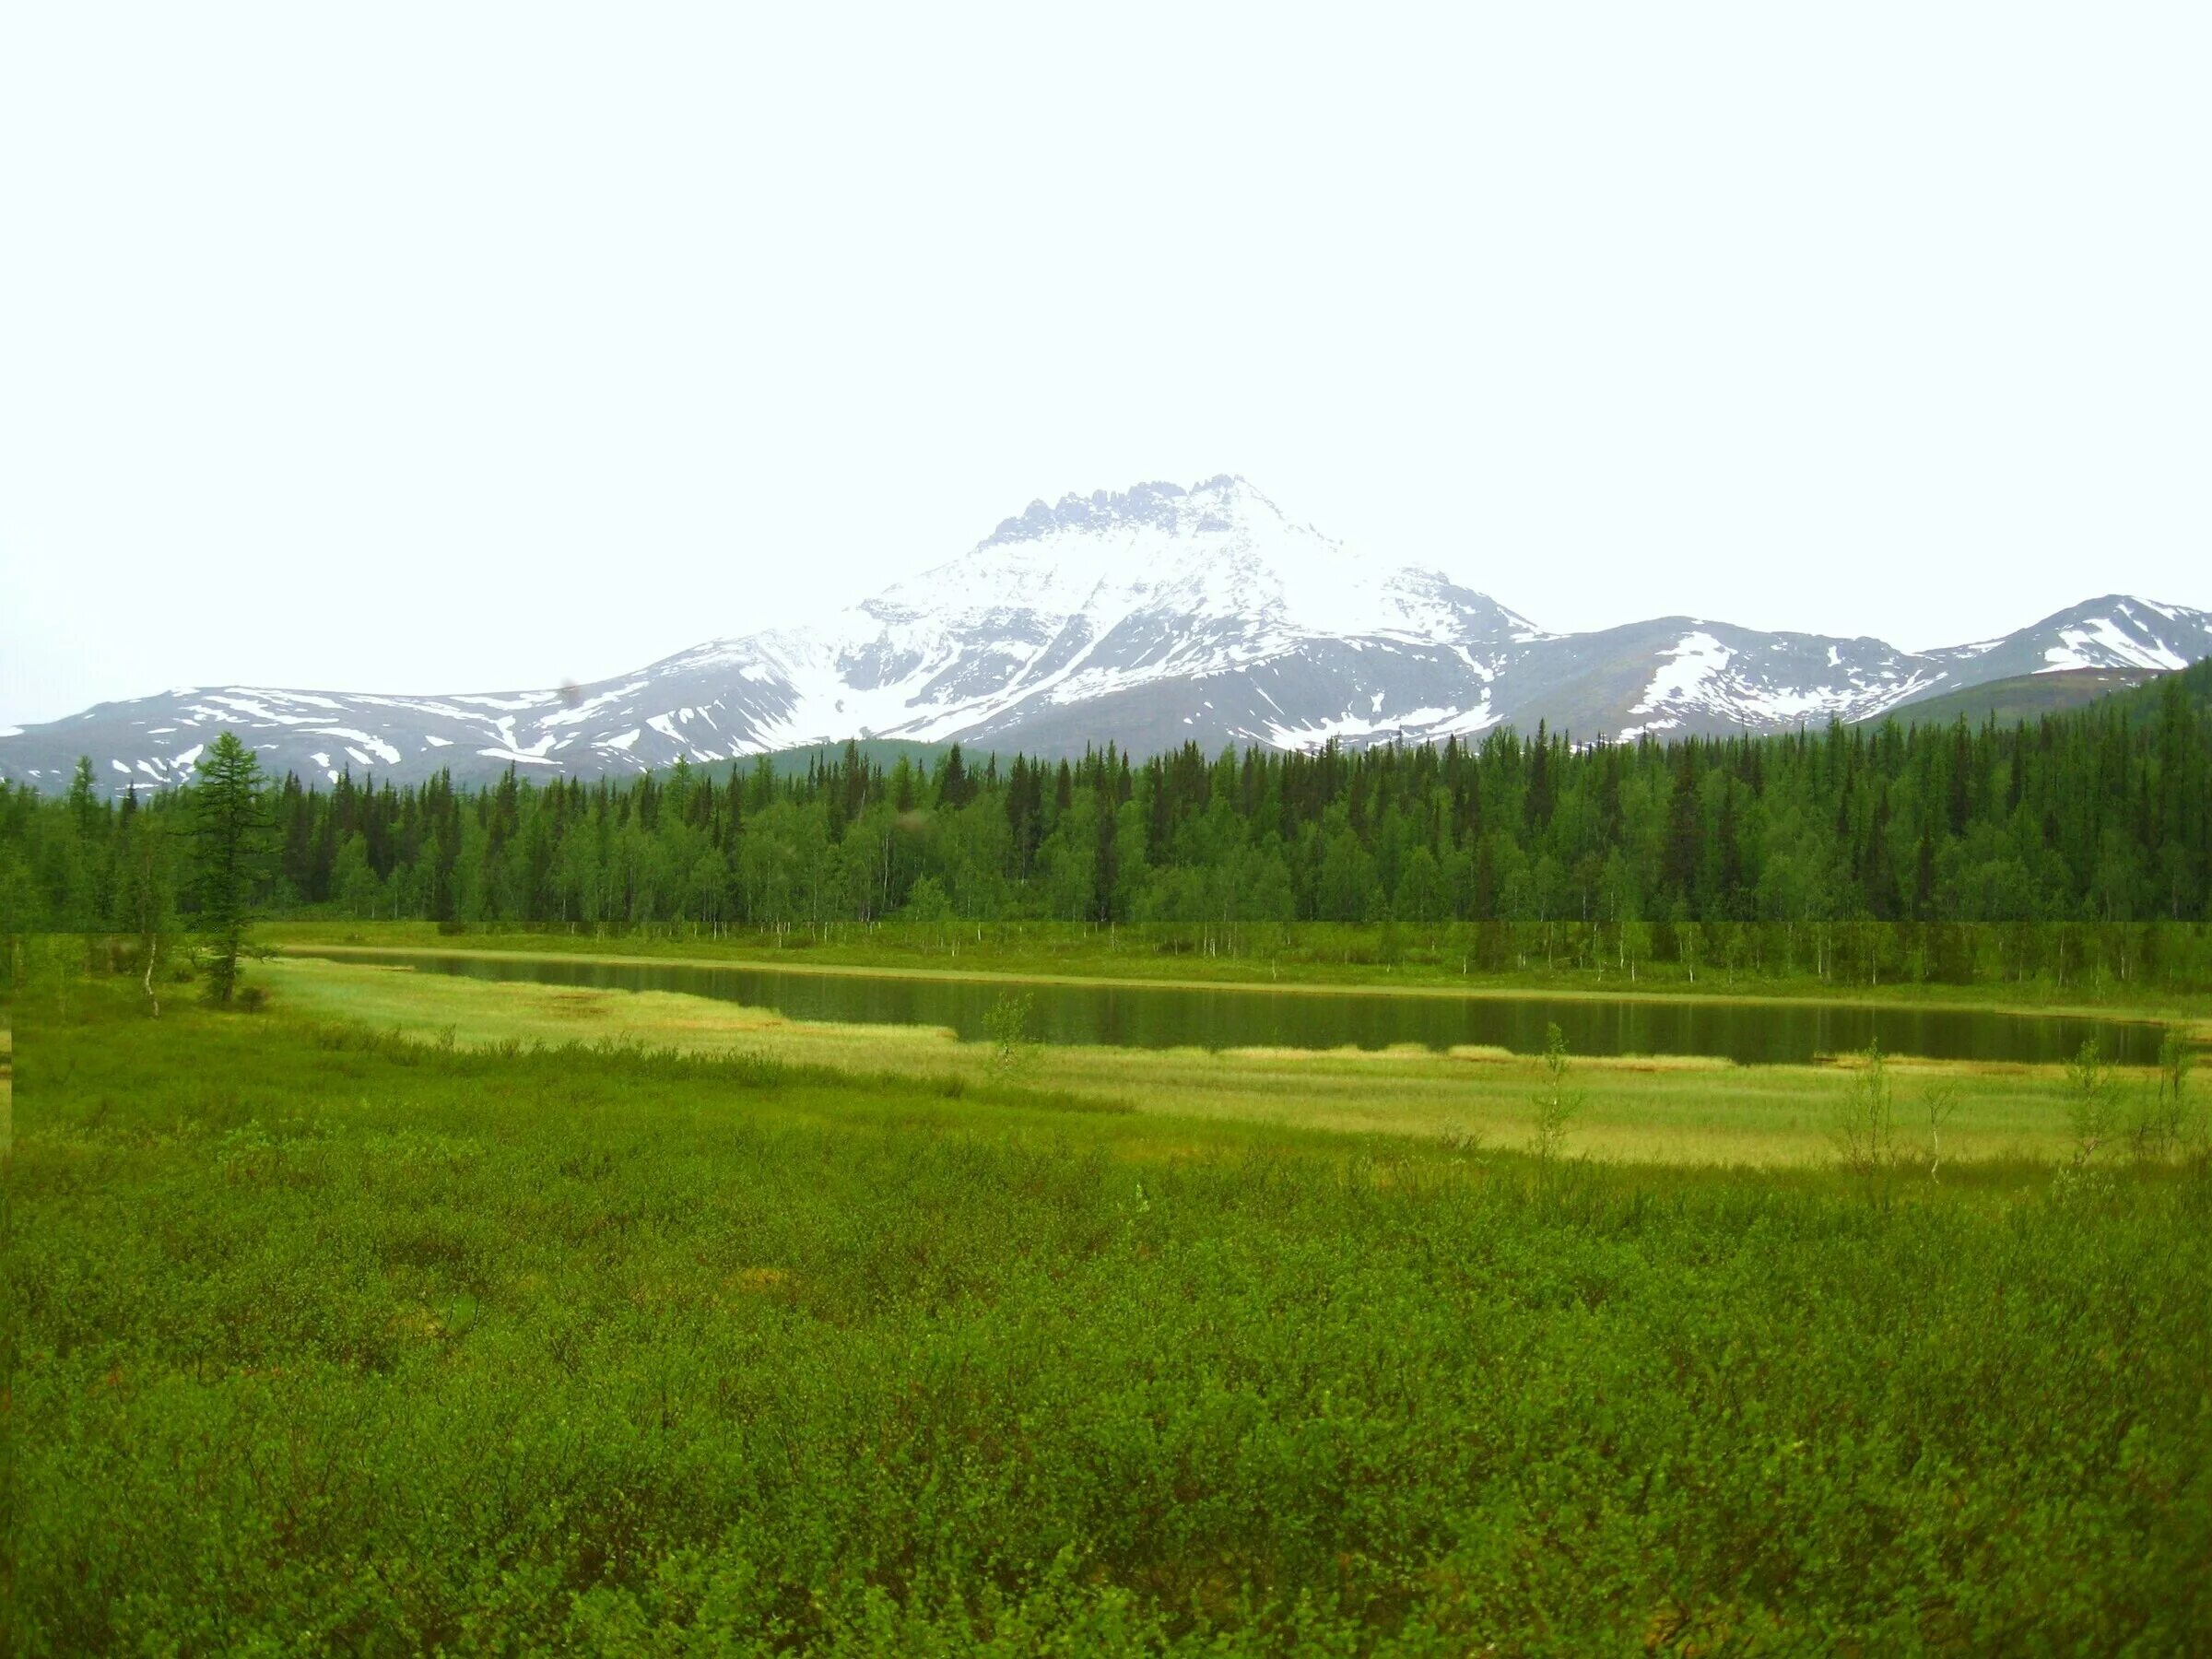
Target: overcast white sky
[[445, 347]]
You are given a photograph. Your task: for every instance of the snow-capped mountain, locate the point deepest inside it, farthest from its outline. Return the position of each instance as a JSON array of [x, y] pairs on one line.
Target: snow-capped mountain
[[1150, 617]]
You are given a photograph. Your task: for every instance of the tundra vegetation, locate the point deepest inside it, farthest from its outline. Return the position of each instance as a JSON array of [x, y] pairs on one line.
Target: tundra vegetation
[[353, 1309], [391, 1318]]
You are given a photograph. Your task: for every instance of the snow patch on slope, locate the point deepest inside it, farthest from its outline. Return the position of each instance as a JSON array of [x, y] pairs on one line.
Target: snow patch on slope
[[2098, 642], [1692, 665]]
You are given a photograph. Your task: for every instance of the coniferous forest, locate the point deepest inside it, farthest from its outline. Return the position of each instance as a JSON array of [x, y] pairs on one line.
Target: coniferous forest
[[1852, 847]]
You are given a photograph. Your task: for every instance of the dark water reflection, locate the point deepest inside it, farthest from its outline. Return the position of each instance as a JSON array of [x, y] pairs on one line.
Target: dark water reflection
[[1217, 1017]]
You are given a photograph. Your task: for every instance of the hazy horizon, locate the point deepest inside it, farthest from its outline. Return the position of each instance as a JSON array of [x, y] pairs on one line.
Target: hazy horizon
[[441, 351], [805, 612]]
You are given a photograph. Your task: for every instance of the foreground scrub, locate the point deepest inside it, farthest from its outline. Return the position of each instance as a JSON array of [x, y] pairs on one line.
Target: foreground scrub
[[326, 1342]]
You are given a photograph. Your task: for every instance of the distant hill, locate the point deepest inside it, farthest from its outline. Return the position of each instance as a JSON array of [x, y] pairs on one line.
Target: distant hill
[[2023, 697]]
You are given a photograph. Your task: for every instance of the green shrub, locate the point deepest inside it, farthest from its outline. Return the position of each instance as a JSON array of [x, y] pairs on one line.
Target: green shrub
[[326, 1342], [1006, 1028]]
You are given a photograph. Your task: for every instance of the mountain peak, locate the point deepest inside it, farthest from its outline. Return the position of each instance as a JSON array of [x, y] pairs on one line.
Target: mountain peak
[[1155, 615], [1157, 503]]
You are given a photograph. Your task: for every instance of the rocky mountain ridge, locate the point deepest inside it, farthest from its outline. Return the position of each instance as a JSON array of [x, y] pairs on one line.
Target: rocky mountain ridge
[[1149, 617]]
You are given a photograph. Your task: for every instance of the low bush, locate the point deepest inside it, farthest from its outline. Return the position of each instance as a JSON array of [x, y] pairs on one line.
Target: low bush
[[321, 1341]]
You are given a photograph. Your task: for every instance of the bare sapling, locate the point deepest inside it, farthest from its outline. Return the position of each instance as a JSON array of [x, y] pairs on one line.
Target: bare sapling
[[1556, 1102], [2162, 1123], [1007, 1026], [1864, 1128], [1940, 1102], [2091, 1106]]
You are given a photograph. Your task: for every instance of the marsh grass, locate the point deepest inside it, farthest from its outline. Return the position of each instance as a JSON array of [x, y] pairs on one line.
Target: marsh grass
[[1689, 1110], [1325, 957]]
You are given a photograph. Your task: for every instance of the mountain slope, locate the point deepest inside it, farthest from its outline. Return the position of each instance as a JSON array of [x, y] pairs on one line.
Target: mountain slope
[[2023, 696], [1150, 617]]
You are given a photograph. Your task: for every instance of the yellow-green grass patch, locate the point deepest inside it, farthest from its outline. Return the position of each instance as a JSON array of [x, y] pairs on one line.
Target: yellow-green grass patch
[[1100, 958], [1672, 1110]]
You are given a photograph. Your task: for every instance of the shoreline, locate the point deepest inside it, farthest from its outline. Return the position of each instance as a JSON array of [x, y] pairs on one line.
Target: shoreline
[[2197, 1029]]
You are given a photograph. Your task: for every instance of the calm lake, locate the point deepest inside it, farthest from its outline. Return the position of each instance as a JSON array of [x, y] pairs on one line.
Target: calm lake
[[1219, 1017]]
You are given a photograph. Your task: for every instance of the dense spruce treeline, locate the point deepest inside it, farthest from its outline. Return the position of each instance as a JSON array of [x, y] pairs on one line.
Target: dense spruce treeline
[[2103, 816]]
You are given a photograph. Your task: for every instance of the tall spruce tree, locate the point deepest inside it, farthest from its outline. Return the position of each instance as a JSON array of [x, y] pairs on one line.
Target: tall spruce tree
[[231, 835]]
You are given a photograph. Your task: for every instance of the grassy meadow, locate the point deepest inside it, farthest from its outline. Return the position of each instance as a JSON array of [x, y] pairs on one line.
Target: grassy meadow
[[415, 1313]]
